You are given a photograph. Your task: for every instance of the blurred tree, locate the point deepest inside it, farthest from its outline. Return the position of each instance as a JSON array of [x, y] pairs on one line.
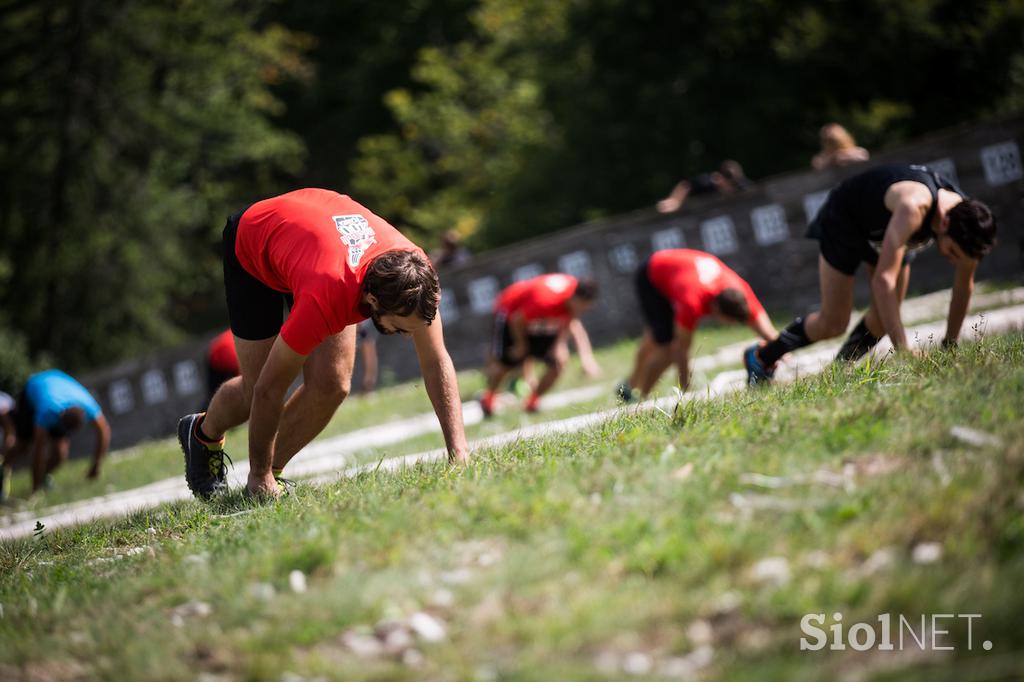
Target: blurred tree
[[557, 112], [361, 50], [467, 130], [128, 130]]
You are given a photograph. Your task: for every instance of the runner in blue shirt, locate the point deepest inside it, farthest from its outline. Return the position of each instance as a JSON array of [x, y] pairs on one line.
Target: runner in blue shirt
[[49, 408]]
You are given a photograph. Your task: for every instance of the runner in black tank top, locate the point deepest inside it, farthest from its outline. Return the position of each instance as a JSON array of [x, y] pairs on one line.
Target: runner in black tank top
[[852, 223], [880, 217]]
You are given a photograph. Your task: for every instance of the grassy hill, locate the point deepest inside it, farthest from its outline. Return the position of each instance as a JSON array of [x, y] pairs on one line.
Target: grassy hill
[[662, 546]]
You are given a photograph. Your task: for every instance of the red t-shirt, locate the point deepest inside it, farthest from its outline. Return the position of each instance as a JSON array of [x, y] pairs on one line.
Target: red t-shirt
[[540, 298], [221, 354], [315, 244], [691, 280]]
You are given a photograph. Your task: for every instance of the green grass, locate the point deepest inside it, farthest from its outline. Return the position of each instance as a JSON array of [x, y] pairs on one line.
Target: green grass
[[561, 558], [161, 459]]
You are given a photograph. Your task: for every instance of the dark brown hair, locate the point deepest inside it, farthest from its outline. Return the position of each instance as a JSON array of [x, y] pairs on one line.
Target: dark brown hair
[[586, 289], [973, 227], [404, 282], [733, 304]]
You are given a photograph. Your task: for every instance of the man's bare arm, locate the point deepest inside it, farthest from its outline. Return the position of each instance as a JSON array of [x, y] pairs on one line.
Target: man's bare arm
[[281, 368], [102, 428], [963, 287], [763, 326], [586, 352], [442, 388]]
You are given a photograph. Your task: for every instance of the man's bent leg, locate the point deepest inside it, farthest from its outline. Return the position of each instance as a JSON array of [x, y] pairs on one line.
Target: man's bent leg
[[829, 321], [231, 403], [836, 304], [870, 330], [326, 382], [643, 351], [659, 357]]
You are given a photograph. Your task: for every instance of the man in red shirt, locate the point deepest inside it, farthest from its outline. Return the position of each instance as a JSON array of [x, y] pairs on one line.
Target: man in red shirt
[[333, 263], [221, 362], [676, 288], [533, 318]]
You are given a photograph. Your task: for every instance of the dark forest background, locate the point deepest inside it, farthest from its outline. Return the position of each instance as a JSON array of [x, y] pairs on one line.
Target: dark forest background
[[130, 129]]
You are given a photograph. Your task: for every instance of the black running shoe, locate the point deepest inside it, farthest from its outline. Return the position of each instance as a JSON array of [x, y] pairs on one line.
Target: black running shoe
[[757, 373], [624, 392], [205, 470]]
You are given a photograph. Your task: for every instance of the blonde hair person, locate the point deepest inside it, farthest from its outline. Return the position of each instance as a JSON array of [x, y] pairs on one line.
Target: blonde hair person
[[838, 148]]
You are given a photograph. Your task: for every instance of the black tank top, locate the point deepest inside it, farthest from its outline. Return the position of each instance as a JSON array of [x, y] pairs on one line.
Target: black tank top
[[861, 201]]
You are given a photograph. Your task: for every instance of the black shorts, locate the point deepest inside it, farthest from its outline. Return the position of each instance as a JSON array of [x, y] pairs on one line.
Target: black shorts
[[658, 313], [539, 346], [256, 311], [24, 417], [841, 247]]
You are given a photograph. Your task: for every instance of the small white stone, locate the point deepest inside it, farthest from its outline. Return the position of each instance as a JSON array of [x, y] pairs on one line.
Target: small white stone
[[151, 531], [362, 645], [607, 662], [397, 640], [636, 663], [262, 591], [412, 658], [191, 609], [456, 577], [699, 632], [297, 581], [773, 570], [427, 627], [879, 560], [442, 597], [816, 559], [687, 667], [978, 439], [927, 553], [683, 472]]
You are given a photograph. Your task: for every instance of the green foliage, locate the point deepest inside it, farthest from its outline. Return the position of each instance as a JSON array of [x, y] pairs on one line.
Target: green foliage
[[566, 111], [129, 132], [15, 362], [466, 132]]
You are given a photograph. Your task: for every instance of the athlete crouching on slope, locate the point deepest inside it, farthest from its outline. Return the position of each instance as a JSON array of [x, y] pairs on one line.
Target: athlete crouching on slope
[[334, 263], [879, 217], [675, 289], [533, 319]]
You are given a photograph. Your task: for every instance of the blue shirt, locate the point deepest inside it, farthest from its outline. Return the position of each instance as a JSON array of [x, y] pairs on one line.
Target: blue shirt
[[51, 392]]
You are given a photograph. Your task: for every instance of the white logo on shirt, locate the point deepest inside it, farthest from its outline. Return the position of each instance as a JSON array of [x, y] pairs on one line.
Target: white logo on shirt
[[356, 234], [556, 284], [708, 270]]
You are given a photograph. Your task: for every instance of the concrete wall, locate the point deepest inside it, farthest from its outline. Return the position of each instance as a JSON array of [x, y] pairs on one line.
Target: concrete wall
[[759, 233]]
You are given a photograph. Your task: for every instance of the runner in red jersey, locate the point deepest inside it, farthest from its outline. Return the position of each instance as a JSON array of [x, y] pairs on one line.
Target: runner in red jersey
[[676, 289], [333, 263], [221, 362], [533, 319]]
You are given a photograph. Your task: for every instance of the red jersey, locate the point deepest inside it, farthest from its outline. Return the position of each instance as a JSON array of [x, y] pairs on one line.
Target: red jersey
[[315, 244], [691, 280], [221, 354], [540, 298]]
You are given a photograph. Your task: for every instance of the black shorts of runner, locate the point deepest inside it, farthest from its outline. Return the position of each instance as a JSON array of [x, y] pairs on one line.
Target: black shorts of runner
[[255, 310], [24, 416], [658, 314], [840, 245], [539, 346]]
